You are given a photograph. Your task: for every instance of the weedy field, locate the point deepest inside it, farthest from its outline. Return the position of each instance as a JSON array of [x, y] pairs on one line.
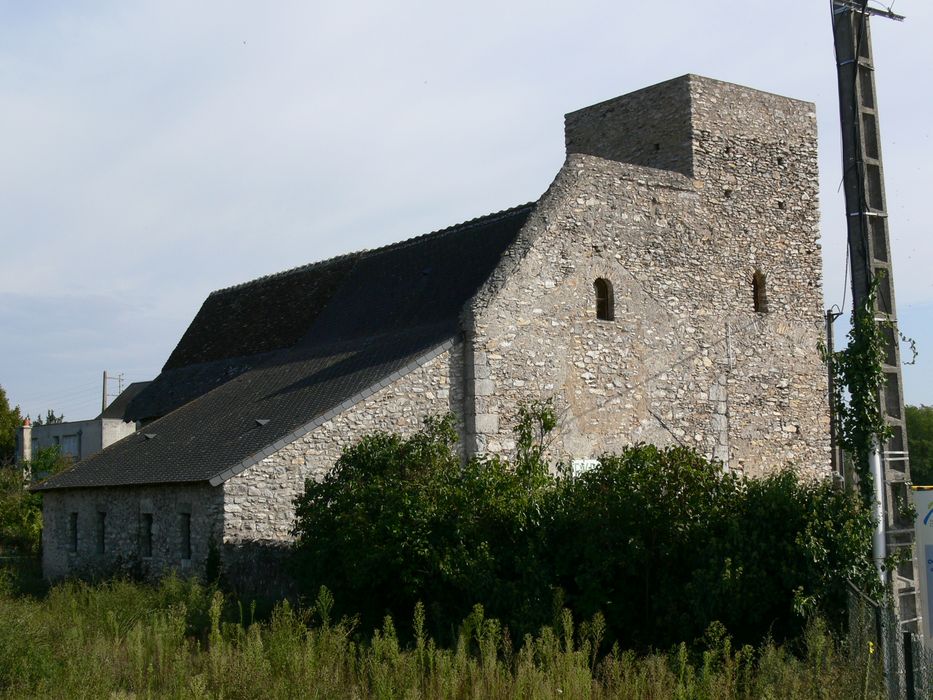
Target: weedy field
[[182, 639]]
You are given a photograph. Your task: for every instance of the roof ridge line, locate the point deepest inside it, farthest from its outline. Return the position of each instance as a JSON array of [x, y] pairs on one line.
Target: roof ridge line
[[485, 219], [289, 271], [469, 223]]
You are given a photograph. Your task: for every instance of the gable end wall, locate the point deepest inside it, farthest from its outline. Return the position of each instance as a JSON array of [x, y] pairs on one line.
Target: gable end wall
[[687, 359], [258, 504]]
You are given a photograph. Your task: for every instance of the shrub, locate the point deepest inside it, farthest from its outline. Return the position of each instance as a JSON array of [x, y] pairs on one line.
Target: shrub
[[661, 542], [20, 514], [401, 520], [664, 542], [20, 510]]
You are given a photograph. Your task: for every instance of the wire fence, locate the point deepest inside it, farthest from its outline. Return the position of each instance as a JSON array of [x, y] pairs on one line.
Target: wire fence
[[903, 659]]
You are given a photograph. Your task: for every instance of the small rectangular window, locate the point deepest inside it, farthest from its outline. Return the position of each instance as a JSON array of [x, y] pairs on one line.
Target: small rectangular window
[[72, 532], [145, 535], [101, 532], [70, 446], [185, 535]]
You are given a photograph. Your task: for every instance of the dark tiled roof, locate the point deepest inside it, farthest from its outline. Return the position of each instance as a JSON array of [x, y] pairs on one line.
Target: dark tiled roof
[[117, 407], [176, 387], [391, 310], [236, 329], [256, 317]]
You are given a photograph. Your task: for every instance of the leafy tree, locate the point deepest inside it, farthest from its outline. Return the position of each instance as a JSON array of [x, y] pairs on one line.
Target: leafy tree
[[920, 443], [10, 421], [20, 514], [21, 510], [46, 462], [50, 418]]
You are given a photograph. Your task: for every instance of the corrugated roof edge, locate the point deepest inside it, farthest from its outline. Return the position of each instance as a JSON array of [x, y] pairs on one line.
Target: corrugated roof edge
[[480, 220], [268, 450]]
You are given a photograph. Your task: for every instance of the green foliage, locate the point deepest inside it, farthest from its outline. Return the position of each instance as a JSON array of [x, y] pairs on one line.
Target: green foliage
[[663, 542], [20, 514], [858, 377], [20, 510], [10, 421], [50, 418], [46, 462], [920, 443], [181, 640], [400, 520], [659, 542], [858, 382]]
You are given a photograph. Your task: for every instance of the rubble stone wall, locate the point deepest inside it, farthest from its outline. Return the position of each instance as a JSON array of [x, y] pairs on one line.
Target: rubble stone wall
[[687, 359], [123, 530], [258, 504]]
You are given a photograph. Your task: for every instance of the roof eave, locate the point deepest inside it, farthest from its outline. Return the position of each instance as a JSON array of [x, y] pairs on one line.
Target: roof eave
[[274, 447]]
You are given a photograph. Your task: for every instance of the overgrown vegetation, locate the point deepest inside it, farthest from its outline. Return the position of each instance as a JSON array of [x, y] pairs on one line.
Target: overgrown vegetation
[[181, 640], [399, 520], [920, 443], [20, 514], [20, 510], [658, 542], [10, 420], [504, 580], [858, 379], [859, 383]]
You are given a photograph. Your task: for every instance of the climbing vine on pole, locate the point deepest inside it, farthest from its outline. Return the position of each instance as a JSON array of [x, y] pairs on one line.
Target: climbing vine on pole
[[858, 374]]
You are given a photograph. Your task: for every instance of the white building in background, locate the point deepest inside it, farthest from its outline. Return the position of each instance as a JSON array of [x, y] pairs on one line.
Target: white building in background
[[82, 438]]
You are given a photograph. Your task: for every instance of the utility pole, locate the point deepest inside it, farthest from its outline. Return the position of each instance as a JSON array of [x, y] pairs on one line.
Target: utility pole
[[106, 395], [870, 263]]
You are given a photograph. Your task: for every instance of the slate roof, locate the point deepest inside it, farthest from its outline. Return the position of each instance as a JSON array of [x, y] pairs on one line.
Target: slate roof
[[117, 407], [264, 362]]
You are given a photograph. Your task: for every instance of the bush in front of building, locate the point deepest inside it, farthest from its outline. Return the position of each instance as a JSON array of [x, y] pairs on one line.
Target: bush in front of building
[[660, 542], [663, 542], [401, 520]]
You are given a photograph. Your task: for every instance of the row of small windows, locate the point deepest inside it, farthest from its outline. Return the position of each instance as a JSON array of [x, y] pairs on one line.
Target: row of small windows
[[605, 303], [146, 529]]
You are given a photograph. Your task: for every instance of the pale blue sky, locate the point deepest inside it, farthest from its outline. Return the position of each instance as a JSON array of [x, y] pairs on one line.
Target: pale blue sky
[[153, 152]]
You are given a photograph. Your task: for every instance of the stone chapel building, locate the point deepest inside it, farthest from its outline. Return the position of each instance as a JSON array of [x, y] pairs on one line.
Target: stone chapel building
[[666, 288]]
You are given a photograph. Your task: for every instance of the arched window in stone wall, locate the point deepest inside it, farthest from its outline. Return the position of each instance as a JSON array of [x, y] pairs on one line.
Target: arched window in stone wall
[[605, 305], [759, 292]]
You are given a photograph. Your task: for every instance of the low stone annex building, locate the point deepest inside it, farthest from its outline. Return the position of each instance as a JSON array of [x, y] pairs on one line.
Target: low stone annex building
[[666, 288]]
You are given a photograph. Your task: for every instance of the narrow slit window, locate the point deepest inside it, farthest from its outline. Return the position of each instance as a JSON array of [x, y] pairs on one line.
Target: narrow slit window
[[605, 306], [101, 532], [759, 292], [185, 535], [72, 532], [145, 535]]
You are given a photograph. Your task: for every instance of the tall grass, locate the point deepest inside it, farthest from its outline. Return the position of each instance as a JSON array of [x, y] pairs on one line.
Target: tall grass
[[180, 639]]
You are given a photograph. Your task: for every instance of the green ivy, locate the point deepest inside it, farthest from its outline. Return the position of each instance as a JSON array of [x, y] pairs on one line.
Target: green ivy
[[858, 380]]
